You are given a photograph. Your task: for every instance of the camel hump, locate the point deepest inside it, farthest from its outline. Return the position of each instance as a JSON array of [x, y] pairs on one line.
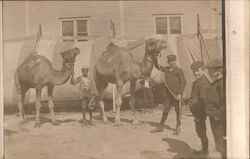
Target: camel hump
[[34, 60]]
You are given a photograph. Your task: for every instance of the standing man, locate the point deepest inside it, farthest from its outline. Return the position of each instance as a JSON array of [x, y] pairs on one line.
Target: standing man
[[216, 104], [197, 104], [175, 84], [86, 93]]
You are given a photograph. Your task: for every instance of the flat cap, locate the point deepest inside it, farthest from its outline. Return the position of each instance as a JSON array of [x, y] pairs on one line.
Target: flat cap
[[171, 57], [85, 67], [216, 63], [196, 65]]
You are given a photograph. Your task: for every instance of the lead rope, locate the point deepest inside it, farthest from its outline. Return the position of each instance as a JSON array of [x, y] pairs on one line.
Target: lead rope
[[180, 101]]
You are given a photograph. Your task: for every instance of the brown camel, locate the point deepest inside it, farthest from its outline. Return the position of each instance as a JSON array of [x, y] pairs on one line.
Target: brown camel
[[36, 72], [117, 66]]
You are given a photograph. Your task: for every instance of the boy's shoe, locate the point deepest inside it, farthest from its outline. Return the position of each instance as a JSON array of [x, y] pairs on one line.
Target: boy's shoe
[[200, 152], [157, 129]]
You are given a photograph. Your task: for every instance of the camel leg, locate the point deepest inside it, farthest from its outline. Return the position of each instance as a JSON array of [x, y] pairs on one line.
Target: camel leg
[[21, 112], [103, 114], [118, 103], [178, 121], [51, 104], [132, 101], [38, 106], [101, 87]]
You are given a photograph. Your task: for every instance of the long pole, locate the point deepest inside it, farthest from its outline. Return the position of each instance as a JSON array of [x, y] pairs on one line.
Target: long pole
[[114, 87], [38, 36], [198, 36]]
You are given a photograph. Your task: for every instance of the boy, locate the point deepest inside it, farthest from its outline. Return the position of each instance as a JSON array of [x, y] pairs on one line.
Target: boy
[[197, 104], [175, 84], [85, 94], [216, 104]]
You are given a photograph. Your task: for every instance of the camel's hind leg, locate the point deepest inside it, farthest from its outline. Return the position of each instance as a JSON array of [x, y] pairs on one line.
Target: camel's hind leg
[[101, 87], [38, 106], [118, 102], [132, 101], [21, 112], [51, 104]]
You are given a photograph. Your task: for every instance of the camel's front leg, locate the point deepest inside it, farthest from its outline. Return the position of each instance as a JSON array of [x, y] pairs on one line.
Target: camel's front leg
[[38, 106], [118, 103], [51, 104], [132, 101]]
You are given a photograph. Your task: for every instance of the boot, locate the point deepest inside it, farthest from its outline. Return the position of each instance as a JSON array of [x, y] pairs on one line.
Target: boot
[[158, 129], [161, 126], [204, 150]]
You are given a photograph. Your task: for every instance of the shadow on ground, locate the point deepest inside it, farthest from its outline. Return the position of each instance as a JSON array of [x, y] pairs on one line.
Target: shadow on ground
[[182, 149], [154, 124], [8, 132], [44, 119]]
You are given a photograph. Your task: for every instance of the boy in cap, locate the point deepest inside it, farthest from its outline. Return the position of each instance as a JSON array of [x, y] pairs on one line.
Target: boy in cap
[[216, 104], [85, 93], [175, 84], [197, 104]]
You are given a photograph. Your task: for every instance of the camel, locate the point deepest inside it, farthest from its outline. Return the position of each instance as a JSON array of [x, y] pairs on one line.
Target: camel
[[117, 66], [36, 72]]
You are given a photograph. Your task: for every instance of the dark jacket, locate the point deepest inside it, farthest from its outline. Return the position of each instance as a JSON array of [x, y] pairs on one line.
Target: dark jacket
[[215, 101], [175, 79], [198, 97]]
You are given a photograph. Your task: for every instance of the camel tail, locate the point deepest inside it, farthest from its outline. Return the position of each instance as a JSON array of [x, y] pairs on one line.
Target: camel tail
[[94, 80], [17, 82]]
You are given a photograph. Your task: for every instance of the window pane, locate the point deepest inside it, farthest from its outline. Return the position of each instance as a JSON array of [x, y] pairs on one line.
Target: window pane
[[161, 25], [82, 29], [67, 28], [175, 25]]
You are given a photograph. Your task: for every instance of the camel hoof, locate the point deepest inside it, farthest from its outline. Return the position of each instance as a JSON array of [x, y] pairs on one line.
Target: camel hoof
[[56, 123], [37, 125], [177, 131], [136, 122], [90, 123], [23, 122], [117, 123], [105, 121], [84, 123]]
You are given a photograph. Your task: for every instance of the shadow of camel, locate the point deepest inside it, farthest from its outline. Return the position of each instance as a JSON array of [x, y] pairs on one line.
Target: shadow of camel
[[44, 119], [111, 119], [183, 150], [9, 132], [154, 124]]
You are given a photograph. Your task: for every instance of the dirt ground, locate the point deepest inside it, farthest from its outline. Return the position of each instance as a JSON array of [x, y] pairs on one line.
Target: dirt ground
[[104, 141]]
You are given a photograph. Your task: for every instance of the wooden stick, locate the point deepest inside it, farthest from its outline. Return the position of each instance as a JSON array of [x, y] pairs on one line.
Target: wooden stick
[[114, 87], [198, 35]]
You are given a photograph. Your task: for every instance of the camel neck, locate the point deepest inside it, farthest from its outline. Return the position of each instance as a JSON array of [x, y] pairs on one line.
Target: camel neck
[[147, 65], [59, 77]]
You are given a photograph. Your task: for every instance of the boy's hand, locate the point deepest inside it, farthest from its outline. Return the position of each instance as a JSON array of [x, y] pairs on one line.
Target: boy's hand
[[178, 97]]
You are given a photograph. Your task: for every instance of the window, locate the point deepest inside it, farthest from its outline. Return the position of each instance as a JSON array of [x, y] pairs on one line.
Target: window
[[75, 29], [161, 25], [168, 24]]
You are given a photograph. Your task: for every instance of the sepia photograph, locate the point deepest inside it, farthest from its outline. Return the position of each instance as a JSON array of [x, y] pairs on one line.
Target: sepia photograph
[[114, 79]]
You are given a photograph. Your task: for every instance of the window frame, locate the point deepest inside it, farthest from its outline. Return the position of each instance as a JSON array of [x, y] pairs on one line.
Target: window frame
[[168, 16], [75, 37]]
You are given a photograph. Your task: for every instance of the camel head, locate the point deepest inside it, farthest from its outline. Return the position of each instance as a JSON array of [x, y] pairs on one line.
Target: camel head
[[69, 58], [154, 47]]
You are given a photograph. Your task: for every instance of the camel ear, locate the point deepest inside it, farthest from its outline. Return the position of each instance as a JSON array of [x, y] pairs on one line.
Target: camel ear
[[63, 53], [151, 44], [77, 52]]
